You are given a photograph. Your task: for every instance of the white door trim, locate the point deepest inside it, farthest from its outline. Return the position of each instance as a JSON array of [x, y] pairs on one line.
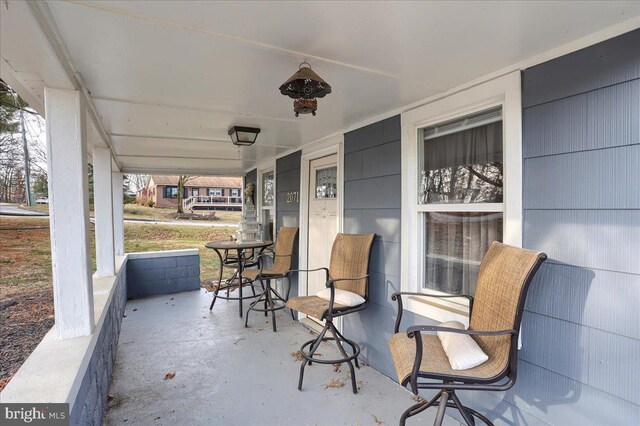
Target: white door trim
[[329, 146]]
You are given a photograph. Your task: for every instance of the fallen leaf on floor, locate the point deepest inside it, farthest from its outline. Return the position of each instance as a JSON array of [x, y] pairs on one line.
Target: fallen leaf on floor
[[157, 418], [418, 399], [135, 309], [124, 315], [170, 375], [297, 355], [336, 367], [334, 384], [359, 383], [377, 420], [237, 339], [109, 397], [171, 298], [204, 317]]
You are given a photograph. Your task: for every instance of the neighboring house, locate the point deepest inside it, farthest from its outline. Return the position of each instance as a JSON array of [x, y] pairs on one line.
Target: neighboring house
[[200, 192]]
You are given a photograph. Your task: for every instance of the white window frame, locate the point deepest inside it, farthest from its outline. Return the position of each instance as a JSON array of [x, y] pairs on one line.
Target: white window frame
[[215, 192], [322, 148], [503, 91]]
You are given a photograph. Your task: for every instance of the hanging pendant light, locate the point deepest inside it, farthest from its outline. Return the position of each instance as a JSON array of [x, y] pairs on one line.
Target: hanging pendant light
[[304, 87]]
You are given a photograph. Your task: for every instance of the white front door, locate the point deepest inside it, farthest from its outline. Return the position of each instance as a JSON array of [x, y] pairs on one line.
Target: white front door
[[323, 218]]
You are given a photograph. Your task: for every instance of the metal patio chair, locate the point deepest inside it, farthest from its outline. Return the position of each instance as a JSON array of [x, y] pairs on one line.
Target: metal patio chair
[[348, 270], [281, 261], [495, 314]]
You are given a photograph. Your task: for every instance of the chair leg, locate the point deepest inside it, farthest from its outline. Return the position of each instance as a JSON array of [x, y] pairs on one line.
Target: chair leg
[[265, 299], [271, 305], [442, 407], [344, 339], [314, 347], [446, 398], [215, 292], [468, 418], [335, 333], [418, 408]]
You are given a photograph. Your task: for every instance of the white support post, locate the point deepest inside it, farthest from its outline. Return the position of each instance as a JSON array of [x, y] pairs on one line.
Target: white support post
[[103, 207], [118, 213], [69, 213]]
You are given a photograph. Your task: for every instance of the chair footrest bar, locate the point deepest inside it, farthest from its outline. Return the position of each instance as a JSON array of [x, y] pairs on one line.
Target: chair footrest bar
[[354, 347]]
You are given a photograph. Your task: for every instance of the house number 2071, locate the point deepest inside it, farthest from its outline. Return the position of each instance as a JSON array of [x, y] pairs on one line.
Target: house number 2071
[[293, 197]]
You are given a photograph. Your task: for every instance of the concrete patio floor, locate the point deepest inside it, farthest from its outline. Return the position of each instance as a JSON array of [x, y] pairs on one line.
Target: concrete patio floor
[[226, 374]]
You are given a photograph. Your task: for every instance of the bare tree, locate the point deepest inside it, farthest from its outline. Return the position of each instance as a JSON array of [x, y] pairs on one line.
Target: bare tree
[[182, 180]]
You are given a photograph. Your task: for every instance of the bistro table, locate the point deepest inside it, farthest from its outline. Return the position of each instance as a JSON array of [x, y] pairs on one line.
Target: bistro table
[[239, 247]]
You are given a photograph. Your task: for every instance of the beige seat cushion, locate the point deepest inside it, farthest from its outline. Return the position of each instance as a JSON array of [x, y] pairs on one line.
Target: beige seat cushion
[[312, 305], [434, 359]]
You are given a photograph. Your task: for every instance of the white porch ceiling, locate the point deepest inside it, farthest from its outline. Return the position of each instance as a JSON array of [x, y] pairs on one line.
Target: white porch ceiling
[[169, 78]]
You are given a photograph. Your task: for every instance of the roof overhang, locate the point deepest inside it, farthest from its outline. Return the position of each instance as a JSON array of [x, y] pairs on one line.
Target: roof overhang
[[164, 82]]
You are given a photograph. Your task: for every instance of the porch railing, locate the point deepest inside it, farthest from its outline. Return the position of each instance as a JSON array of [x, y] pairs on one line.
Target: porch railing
[[210, 201]]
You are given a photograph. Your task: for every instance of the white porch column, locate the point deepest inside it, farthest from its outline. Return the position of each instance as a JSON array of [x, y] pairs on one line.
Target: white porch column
[[69, 213], [103, 207], [118, 213]]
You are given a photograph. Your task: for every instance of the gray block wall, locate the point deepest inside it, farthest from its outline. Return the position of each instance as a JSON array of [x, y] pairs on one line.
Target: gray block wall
[[288, 211], [91, 400], [151, 275]]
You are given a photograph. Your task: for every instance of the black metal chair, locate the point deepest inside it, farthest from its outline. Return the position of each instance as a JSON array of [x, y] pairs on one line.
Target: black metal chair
[[495, 316], [348, 270], [281, 261]]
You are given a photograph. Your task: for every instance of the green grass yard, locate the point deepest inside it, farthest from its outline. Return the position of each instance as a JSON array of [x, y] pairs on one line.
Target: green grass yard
[[26, 294]]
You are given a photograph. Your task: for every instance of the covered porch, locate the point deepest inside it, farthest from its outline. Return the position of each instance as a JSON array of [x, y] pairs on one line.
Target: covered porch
[[228, 374], [154, 87]]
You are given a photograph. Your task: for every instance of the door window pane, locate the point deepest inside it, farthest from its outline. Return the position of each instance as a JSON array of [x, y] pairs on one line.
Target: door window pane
[[267, 189], [327, 182], [455, 243]]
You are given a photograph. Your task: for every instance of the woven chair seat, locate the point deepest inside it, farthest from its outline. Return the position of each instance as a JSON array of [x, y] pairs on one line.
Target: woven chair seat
[[252, 274], [435, 361], [313, 306]]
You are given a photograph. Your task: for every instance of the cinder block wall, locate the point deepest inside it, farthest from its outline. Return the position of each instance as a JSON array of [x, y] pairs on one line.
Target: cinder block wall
[[91, 399], [154, 273]]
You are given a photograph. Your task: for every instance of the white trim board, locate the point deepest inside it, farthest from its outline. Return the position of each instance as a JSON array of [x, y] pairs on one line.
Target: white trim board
[[319, 149], [504, 91]]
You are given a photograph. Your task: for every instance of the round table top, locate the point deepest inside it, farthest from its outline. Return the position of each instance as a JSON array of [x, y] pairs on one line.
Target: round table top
[[235, 245]]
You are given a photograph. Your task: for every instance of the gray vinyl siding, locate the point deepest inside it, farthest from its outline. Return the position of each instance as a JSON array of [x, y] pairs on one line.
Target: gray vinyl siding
[[581, 196], [288, 181], [288, 213], [372, 203]]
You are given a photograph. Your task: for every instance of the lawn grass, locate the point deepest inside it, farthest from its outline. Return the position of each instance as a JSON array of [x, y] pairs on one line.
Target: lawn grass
[[25, 254], [26, 292]]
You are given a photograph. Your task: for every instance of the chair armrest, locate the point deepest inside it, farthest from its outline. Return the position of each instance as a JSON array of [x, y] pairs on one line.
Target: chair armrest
[[334, 280], [397, 296], [331, 285], [416, 329], [268, 254], [326, 271]]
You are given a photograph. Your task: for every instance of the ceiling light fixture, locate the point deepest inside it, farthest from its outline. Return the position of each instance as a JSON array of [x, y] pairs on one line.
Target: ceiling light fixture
[[243, 136], [304, 87]]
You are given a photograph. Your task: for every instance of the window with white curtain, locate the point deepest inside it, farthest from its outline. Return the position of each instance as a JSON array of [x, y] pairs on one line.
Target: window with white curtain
[[460, 198]]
